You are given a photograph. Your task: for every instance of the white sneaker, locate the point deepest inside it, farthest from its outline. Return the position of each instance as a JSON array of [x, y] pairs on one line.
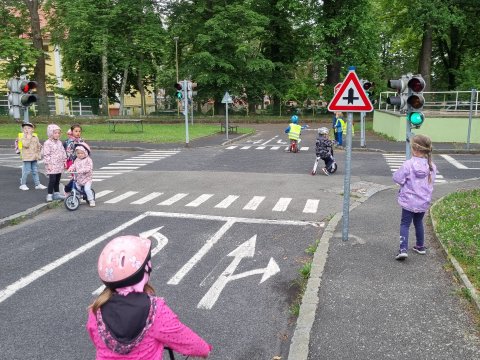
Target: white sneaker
[[92, 203], [23, 187], [40, 187], [49, 197]]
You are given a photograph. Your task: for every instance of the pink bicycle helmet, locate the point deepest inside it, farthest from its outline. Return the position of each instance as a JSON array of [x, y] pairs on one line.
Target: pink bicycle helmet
[[83, 146], [124, 260]]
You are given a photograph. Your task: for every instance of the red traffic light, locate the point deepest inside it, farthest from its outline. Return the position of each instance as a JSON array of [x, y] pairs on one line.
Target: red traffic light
[[416, 83], [178, 86], [27, 86]]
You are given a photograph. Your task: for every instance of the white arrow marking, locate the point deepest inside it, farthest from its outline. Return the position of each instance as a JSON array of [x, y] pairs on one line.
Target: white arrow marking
[[247, 249], [281, 142], [162, 240]]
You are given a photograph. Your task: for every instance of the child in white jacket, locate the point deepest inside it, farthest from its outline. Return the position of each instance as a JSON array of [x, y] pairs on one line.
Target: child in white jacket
[[83, 166]]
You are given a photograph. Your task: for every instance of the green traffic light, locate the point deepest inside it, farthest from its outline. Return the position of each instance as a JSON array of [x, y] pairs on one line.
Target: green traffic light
[[416, 118], [179, 95]]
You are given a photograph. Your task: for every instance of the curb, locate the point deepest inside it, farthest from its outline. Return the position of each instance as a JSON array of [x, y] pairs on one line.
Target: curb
[[456, 265], [27, 214], [299, 345]]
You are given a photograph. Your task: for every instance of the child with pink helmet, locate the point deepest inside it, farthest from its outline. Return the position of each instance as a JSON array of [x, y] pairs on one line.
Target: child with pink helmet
[[127, 320]]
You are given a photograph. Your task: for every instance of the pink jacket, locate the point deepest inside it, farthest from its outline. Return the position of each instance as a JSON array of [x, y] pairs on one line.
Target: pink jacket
[[54, 156], [84, 169], [165, 330]]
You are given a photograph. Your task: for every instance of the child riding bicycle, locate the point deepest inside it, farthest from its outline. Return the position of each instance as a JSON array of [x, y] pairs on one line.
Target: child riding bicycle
[[83, 167]]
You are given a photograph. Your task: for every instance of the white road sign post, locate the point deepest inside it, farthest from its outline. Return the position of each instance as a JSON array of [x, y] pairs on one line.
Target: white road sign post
[[350, 97], [227, 99]]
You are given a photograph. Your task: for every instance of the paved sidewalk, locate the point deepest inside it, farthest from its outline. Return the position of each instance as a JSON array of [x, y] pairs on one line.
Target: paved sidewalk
[[361, 303]]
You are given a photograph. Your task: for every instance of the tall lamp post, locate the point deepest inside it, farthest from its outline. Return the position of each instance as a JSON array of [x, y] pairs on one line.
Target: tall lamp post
[[176, 65]]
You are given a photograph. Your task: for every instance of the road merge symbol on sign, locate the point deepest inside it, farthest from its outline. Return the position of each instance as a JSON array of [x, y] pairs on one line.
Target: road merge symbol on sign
[[351, 96]]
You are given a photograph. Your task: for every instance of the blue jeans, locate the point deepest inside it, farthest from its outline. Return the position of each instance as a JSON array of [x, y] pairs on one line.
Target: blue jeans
[[407, 217], [339, 138], [30, 166]]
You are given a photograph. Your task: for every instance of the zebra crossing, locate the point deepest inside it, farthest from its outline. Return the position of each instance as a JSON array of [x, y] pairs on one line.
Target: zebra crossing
[[264, 147], [124, 166], [213, 201], [395, 161]]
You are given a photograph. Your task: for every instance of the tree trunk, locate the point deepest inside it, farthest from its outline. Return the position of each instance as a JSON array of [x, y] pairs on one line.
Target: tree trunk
[[142, 91], [122, 89], [104, 91], [425, 59], [252, 108], [276, 105], [39, 70]]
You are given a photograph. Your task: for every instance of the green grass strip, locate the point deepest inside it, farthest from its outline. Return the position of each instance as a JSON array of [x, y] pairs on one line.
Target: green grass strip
[[458, 226], [152, 133]]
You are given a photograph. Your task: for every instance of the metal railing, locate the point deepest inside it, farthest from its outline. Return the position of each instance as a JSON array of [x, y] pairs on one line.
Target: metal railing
[[439, 102]]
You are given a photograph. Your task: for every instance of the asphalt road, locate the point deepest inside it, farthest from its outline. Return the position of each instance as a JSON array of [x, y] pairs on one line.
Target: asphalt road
[[238, 217]]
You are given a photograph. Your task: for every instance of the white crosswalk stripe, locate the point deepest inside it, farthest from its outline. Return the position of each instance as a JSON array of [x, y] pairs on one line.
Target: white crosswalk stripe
[[282, 204], [395, 161], [254, 203], [310, 206]]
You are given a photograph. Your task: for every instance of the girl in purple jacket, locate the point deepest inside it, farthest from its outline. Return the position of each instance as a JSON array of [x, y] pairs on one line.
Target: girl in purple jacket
[[415, 177]]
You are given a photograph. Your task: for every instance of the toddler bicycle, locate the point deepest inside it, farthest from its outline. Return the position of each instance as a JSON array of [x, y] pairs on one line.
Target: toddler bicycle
[[72, 201]]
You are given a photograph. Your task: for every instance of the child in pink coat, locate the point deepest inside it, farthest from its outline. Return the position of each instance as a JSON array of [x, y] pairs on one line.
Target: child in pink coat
[[127, 320], [83, 166], [54, 157]]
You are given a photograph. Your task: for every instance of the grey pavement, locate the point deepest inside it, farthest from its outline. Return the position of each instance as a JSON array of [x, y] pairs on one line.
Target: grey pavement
[[360, 303]]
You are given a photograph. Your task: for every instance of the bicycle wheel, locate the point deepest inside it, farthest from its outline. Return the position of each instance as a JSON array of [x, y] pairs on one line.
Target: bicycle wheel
[[72, 202]]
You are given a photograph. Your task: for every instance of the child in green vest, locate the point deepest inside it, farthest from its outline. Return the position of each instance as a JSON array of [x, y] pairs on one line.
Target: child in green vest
[[29, 148]]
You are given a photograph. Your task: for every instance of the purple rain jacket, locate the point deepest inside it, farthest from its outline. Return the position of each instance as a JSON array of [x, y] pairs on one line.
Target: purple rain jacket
[[415, 191]]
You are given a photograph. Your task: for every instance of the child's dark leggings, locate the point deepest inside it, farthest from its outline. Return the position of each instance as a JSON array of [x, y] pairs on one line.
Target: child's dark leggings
[[407, 217], [54, 183]]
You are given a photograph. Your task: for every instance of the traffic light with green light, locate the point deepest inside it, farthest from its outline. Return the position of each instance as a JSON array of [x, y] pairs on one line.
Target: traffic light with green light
[[179, 90], [415, 100]]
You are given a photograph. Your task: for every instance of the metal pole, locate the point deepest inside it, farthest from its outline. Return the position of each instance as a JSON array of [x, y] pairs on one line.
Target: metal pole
[[346, 179], [362, 129], [185, 110], [472, 99], [176, 66], [226, 118], [408, 130]]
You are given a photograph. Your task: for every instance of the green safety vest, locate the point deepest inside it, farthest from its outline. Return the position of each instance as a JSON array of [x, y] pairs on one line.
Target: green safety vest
[[20, 137], [294, 133]]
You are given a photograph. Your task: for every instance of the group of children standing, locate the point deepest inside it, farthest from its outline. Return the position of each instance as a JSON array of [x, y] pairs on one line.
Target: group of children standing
[[73, 155]]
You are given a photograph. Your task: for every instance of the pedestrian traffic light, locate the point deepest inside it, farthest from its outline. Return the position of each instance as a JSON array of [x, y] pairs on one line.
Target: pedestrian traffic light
[[26, 87], [415, 100], [400, 99], [179, 91]]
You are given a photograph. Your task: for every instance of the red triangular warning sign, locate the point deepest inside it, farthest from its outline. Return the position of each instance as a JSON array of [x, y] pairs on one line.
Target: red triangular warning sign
[[350, 97]]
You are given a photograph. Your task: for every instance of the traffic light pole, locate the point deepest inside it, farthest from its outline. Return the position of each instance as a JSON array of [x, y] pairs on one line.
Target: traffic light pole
[[408, 130], [185, 110], [362, 129]]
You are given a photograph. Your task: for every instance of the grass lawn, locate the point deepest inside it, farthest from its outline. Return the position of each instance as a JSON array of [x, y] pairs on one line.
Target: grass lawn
[[152, 133], [458, 226]]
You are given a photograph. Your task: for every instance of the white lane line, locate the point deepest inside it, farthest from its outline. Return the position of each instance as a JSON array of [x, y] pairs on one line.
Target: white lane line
[[245, 147], [454, 162], [275, 148], [231, 147], [175, 280], [260, 147], [99, 176], [97, 180], [102, 193], [225, 203], [266, 142], [254, 203], [173, 199], [121, 197], [282, 204], [200, 200], [147, 198], [24, 281], [304, 148], [119, 167], [139, 163], [311, 206]]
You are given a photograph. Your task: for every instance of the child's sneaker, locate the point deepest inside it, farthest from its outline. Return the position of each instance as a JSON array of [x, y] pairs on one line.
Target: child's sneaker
[[325, 171], [92, 203], [49, 197], [422, 250], [402, 255], [23, 187], [40, 187]]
